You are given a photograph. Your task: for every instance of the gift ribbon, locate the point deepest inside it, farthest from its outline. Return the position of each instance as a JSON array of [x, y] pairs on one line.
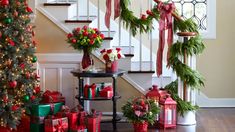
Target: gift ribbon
[[165, 23], [60, 127], [37, 119], [109, 9]]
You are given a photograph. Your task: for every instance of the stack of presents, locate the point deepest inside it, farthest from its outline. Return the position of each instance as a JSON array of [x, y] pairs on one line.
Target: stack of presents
[[53, 116]]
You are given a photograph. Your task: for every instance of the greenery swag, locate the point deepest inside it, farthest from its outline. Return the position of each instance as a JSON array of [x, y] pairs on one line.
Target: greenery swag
[[193, 46]]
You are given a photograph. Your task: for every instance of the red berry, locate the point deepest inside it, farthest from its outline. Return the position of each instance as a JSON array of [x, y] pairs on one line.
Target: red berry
[[149, 12], [143, 17], [118, 49]]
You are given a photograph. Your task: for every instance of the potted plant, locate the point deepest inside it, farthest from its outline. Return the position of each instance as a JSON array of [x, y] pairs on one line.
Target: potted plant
[[141, 111], [110, 56], [86, 39]]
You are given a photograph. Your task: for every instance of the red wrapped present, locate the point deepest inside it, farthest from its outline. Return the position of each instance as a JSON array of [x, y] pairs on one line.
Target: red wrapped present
[[64, 112], [80, 129], [107, 92], [81, 118], [93, 121], [52, 97], [90, 91], [24, 124], [56, 124]]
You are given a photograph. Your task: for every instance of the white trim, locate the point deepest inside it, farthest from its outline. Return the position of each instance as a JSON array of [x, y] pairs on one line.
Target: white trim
[[71, 58], [210, 33], [203, 101]]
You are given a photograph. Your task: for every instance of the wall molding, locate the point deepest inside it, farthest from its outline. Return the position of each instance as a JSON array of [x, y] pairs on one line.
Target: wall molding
[[68, 58], [203, 101]]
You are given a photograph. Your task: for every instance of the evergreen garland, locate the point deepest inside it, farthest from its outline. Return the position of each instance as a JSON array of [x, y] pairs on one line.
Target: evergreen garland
[[193, 47]]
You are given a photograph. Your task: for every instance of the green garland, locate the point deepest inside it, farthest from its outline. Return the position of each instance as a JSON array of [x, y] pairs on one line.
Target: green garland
[[193, 47]]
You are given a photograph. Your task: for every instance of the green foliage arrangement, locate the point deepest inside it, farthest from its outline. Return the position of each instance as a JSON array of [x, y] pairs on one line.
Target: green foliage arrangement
[[140, 110], [194, 46], [85, 38]]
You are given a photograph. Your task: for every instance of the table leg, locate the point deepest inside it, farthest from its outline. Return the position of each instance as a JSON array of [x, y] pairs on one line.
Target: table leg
[[80, 91], [114, 104]]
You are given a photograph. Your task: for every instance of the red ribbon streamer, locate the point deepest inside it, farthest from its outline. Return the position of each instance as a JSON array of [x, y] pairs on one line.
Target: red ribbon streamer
[[60, 127], [165, 23], [109, 11]]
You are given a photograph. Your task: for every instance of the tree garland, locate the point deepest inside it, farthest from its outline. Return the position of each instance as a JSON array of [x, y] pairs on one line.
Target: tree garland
[[194, 46]]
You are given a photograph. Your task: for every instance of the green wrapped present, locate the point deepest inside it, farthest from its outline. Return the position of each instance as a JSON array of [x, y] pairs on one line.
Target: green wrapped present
[[39, 112]]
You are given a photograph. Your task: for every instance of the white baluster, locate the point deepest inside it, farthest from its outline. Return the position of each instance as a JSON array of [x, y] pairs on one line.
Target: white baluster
[[88, 10], [120, 33], [151, 40], [130, 41], [98, 14], [77, 9], [141, 4]]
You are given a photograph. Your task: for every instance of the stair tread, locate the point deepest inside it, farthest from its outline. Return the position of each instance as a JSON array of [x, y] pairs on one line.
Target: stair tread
[[108, 38], [57, 4], [140, 71], [78, 21], [129, 55]]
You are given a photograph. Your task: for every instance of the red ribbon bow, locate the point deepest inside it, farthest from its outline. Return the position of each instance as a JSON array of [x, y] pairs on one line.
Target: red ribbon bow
[[109, 9], [165, 23], [60, 127]]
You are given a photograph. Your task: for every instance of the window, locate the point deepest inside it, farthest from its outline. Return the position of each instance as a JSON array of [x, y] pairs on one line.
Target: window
[[203, 12]]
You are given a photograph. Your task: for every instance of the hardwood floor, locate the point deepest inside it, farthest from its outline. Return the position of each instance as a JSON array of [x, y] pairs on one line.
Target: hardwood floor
[[208, 120]]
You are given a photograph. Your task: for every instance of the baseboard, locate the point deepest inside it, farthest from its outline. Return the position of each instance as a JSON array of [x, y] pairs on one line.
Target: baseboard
[[204, 101]]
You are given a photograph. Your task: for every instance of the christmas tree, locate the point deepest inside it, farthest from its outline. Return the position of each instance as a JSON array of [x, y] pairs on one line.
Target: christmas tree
[[19, 84]]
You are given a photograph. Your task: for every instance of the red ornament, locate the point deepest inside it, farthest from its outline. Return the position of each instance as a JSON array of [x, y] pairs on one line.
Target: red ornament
[[37, 89], [36, 76], [33, 97], [15, 107], [143, 17], [11, 42], [29, 9], [33, 33], [5, 98], [13, 84], [5, 2], [22, 66], [27, 75]]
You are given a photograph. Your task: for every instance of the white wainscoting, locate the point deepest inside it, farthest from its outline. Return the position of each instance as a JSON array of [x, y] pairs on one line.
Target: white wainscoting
[[54, 70]]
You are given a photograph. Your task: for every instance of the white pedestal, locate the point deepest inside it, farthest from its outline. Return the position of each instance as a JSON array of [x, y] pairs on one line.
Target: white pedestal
[[189, 118]]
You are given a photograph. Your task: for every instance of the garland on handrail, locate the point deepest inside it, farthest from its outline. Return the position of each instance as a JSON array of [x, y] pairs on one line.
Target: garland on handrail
[[194, 46]]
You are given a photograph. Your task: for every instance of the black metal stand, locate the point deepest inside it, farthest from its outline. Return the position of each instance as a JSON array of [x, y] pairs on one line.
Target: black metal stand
[[101, 74]]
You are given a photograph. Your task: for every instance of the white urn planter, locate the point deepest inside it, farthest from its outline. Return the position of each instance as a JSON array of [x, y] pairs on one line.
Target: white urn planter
[[189, 118]]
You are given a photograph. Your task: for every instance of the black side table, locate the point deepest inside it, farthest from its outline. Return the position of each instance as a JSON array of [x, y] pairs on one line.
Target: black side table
[[100, 74]]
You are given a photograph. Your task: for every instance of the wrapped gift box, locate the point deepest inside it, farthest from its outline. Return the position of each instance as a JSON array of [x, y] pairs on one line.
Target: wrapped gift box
[[56, 124], [93, 122], [106, 92], [90, 91], [39, 112], [52, 97], [100, 86], [24, 124]]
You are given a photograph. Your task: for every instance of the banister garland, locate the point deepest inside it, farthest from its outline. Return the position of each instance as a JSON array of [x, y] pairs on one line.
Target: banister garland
[[194, 46]]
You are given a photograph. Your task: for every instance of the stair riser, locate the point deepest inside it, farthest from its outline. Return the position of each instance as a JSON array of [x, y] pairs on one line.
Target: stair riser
[[71, 26], [62, 12], [125, 63], [144, 80]]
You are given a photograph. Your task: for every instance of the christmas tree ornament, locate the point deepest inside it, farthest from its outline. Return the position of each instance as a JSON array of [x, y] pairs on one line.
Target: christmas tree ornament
[[15, 13], [26, 98], [33, 33], [8, 20], [29, 9], [5, 2], [14, 107], [37, 89], [33, 97], [34, 59], [5, 98], [13, 84], [27, 75]]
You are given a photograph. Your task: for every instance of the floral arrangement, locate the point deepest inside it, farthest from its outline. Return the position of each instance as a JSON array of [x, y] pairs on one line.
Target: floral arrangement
[[111, 54], [141, 110], [89, 38]]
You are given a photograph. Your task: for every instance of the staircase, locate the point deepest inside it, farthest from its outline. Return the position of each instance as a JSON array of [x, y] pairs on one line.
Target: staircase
[[140, 59]]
